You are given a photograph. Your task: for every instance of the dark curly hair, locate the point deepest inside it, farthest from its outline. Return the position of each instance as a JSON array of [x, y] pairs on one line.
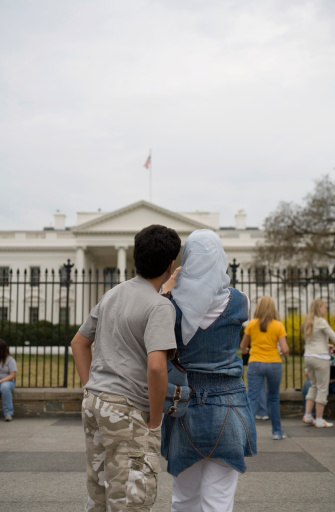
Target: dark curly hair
[[155, 248]]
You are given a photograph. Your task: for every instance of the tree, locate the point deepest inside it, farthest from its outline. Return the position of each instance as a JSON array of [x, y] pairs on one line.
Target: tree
[[302, 234]]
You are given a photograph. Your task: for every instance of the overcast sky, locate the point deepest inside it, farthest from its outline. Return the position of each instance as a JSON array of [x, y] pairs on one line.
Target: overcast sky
[[235, 98]]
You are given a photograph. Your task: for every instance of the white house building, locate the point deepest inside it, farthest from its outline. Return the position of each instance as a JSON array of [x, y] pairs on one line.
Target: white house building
[[101, 240], [34, 284], [100, 243]]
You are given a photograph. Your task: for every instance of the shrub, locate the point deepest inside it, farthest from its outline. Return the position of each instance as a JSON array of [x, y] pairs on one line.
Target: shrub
[[295, 338], [39, 334]]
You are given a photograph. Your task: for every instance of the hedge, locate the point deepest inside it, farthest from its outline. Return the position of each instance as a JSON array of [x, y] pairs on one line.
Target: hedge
[[39, 334]]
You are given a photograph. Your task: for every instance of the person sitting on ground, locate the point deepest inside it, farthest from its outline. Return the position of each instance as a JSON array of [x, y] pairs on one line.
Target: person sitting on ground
[[8, 371], [317, 333]]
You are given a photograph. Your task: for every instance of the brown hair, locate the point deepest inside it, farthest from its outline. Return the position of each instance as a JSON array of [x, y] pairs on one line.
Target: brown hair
[[265, 312], [4, 351], [313, 311]]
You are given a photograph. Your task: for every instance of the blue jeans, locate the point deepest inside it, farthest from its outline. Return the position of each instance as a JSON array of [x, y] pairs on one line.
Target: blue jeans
[[6, 390], [272, 372], [263, 403]]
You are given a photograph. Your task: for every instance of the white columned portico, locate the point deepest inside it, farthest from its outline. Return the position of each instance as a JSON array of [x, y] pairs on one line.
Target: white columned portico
[[122, 261], [80, 260]]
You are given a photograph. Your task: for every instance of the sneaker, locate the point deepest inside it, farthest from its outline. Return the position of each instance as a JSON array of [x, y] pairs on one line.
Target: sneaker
[[8, 417], [277, 437], [311, 421], [258, 417], [265, 418], [322, 424]]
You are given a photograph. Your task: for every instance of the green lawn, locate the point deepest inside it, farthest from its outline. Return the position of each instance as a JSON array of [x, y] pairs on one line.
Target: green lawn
[[45, 371], [48, 371]]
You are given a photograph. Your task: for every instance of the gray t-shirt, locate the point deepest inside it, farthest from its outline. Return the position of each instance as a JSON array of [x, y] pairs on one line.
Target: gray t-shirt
[[8, 367], [130, 321]]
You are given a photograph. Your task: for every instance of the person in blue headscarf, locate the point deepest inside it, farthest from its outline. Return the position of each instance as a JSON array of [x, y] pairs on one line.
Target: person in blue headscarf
[[205, 448]]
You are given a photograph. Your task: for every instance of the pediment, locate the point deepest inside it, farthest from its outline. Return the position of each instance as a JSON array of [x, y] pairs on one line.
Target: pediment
[[135, 217]]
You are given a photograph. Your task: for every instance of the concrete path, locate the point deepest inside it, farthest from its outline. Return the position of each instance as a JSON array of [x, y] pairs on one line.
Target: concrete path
[[42, 468]]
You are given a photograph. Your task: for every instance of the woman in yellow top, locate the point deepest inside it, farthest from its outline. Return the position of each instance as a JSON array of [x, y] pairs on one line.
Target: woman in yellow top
[[265, 333]]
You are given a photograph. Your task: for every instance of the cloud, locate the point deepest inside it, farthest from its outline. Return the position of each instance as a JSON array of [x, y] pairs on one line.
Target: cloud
[[235, 98]]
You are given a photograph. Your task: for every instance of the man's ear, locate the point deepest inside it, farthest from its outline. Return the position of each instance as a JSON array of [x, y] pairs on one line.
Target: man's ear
[[170, 267]]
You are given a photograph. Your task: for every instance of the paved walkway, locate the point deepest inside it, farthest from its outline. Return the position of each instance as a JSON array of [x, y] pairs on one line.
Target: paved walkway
[[42, 468]]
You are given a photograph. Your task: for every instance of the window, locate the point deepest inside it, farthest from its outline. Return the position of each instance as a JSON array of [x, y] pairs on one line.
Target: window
[[323, 276], [62, 276], [260, 276], [3, 313], [110, 277], [34, 276], [4, 276], [292, 275], [33, 314], [62, 315]]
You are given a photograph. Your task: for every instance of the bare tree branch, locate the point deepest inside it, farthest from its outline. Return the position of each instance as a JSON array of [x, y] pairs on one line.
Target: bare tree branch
[[301, 234]]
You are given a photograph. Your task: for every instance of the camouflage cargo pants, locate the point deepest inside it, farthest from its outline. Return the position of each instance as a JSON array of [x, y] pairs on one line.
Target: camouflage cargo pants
[[122, 455]]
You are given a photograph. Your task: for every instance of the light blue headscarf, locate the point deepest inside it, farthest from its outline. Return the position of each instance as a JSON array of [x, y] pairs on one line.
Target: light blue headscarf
[[202, 283]]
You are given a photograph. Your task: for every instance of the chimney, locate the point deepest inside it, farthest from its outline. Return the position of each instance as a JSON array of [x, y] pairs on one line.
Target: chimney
[[59, 220], [241, 220]]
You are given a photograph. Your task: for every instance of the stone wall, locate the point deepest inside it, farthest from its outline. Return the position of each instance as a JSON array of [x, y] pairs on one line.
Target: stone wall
[[46, 402]]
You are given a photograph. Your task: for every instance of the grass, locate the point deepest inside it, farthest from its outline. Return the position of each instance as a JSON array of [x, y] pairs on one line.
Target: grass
[[45, 371], [48, 371]]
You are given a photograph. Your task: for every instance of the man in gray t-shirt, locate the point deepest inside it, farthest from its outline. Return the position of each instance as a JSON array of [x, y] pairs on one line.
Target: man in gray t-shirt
[[125, 379]]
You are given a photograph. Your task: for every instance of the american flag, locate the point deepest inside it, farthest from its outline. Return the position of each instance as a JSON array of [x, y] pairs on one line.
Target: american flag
[[147, 162]]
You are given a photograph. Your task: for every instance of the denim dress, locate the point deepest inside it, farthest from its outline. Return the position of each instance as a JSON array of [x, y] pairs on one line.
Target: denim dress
[[218, 423]]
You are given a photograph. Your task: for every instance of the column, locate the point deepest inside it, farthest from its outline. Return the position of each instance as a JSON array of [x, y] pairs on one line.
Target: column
[[80, 291], [122, 261], [80, 260]]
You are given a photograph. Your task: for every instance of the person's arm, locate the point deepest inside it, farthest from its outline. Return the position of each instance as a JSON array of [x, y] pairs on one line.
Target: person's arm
[[330, 333], [284, 346], [170, 283], [157, 385], [82, 355], [10, 376], [245, 344]]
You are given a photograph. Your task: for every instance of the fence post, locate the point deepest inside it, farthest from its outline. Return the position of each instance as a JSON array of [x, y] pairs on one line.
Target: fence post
[[234, 266], [68, 266]]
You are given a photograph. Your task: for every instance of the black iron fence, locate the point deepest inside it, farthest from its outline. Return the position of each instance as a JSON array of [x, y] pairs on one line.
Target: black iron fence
[[40, 313]]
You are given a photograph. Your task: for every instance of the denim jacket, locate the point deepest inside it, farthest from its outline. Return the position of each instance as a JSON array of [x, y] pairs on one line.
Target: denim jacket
[[213, 350], [218, 423]]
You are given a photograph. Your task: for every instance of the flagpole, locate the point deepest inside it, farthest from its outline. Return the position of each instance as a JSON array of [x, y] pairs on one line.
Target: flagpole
[[148, 165], [150, 177]]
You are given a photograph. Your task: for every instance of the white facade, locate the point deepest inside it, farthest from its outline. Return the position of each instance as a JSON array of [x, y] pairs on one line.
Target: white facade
[[99, 242]]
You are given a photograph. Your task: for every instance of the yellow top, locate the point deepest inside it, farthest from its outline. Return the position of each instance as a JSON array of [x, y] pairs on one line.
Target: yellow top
[[264, 344]]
